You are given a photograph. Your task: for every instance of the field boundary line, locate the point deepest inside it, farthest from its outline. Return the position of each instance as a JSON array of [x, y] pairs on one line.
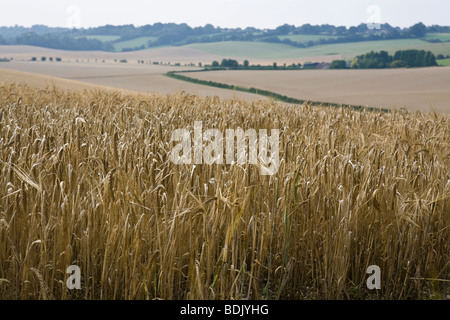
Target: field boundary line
[[266, 93]]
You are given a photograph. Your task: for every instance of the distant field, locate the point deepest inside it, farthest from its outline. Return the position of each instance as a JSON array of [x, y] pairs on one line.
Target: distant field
[[244, 49], [167, 54], [142, 78], [256, 52], [444, 62], [42, 81], [133, 43], [164, 54], [103, 38], [415, 89], [266, 51], [303, 38], [439, 36]]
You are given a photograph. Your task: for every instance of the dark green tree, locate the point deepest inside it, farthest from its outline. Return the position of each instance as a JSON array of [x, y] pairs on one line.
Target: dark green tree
[[229, 63], [397, 64], [430, 59], [418, 30], [338, 64]]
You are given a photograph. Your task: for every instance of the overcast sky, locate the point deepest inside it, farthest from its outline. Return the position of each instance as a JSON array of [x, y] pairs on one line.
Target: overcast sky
[[223, 13]]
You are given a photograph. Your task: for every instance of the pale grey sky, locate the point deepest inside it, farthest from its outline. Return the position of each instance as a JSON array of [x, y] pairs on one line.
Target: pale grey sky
[[223, 13]]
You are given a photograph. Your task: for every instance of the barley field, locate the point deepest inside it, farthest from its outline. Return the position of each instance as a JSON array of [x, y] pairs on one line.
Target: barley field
[[86, 180]]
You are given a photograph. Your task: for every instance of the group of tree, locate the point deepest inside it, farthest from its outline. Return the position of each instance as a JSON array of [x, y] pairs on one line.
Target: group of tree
[[43, 59], [229, 63], [63, 42], [401, 58], [372, 60], [441, 56], [234, 64], [416, 58], [338, 64]]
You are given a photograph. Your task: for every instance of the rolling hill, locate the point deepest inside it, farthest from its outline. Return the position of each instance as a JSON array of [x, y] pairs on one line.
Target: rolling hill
[[276, 52]]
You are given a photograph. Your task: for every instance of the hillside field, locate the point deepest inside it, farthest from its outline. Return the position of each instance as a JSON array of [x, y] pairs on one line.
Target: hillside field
[[133, 43], [305, 38], [256, 52], [103, 38], [85, 76], [438, 36], [278, 52], [423, 89], [444, 62], [415, 89]]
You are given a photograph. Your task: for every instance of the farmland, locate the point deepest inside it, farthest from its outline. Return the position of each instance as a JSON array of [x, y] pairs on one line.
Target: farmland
[[305, 38], [103, 38], [86, 180], [438, 36], [281, 52], [133, 43], [256, 52], [416, 89], [125, 82], [444, 62], [216, 151]]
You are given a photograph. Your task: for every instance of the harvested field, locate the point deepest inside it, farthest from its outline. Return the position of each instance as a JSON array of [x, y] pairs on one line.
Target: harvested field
[[258, 53], [124, 77], [162, 54], [414, 89], [44, 82]]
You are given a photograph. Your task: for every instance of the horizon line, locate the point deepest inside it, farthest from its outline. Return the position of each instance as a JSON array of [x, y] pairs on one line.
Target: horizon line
[[215, 26]]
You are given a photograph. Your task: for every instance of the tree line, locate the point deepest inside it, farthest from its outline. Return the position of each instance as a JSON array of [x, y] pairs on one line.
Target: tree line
[[380, 60], [182, 34], [62, 42], [235, 65]]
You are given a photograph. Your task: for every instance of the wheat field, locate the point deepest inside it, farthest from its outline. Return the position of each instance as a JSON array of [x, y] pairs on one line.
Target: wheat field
[[86, 180]]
